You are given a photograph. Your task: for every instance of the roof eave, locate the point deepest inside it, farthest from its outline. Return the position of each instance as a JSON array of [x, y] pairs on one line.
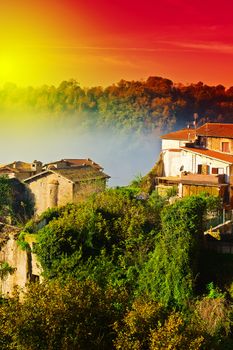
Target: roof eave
[[37, 175], [191, 150]]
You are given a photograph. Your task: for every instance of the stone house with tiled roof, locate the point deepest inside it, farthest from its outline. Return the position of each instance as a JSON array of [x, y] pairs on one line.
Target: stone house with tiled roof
[[62, 184], [199, 160], [59, 182]]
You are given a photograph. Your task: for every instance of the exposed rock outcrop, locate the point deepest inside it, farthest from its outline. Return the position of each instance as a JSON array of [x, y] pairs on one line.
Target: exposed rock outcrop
[[22, 263]]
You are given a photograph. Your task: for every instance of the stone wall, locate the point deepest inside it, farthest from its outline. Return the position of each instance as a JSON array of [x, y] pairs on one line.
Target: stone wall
[[84, 189], [46, 187], [25, 263]]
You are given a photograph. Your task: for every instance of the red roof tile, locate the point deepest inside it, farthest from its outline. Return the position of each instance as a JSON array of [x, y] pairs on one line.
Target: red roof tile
[[228, 158], [87, 161], [183, 135], [216, 130], [76, 162]]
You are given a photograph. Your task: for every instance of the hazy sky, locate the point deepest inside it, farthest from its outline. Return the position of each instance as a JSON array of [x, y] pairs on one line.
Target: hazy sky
[[123, 155], [100, 42]]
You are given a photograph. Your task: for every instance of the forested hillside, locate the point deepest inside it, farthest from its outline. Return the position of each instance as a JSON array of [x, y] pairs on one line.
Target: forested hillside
[[135, 105]]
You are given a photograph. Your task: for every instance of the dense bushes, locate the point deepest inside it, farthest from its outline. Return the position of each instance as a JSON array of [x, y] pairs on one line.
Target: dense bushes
[[111, 233], [55, 316], [170, 273], [81, 315], [121, 272]]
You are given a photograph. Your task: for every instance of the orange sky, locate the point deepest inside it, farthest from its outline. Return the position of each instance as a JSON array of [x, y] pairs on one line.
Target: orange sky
[[100, 42]]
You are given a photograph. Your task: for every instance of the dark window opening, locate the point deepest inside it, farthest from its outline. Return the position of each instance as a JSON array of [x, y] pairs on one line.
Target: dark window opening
[[203, 169], [215, 171], [226, 147]]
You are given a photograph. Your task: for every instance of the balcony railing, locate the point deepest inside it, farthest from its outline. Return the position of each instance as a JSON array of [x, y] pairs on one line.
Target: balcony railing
[[205, 179]]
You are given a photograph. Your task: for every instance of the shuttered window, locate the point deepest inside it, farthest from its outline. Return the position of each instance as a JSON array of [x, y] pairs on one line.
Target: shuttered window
[[226, 147], [215, 171]]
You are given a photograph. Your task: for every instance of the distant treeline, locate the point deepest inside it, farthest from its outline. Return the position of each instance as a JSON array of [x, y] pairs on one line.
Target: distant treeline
[[131, 105]]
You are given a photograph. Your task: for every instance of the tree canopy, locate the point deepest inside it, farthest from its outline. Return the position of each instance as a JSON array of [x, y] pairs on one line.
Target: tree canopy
[[142, 106]]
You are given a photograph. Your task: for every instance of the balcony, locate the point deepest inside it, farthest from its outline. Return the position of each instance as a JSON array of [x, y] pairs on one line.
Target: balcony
[[201, 179], [193, 179]]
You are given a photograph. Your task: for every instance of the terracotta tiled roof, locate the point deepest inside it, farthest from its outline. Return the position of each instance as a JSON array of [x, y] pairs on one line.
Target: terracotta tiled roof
[[18, 166], [228, 158], [75, 162], [87, 161], [74, 174], [216, 130], [182, 135], [7, 170]]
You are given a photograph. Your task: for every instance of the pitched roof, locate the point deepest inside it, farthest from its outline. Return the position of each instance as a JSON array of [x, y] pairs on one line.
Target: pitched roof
[[87, 161], [208, 129], [18, 166], [73, 174], [216, 130], [76, 162], [82, 173], [227, 158], [182, 135], [6, 170]]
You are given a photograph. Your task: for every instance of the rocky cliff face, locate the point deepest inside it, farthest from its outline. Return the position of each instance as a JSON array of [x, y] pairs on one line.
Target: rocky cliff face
[[149, 181], [21, 266]]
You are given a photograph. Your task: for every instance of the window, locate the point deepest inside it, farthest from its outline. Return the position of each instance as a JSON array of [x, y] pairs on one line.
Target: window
[[214, 171], [226, 147], [220, 170], [203, 169]]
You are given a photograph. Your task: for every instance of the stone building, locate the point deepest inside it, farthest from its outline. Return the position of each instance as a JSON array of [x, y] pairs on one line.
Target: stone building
[[199, 160], [20, 170], [60, 184]]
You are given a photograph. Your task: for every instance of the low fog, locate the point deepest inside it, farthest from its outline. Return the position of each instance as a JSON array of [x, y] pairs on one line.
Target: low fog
[[123, 155]]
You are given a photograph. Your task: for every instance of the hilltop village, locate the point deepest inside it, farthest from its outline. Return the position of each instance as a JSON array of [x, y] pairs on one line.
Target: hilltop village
[[161, 244], [192, 160]]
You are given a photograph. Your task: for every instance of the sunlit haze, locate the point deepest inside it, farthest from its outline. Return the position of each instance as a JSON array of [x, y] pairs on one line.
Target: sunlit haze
[[98, 43], [101, 42], [121, 155]]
